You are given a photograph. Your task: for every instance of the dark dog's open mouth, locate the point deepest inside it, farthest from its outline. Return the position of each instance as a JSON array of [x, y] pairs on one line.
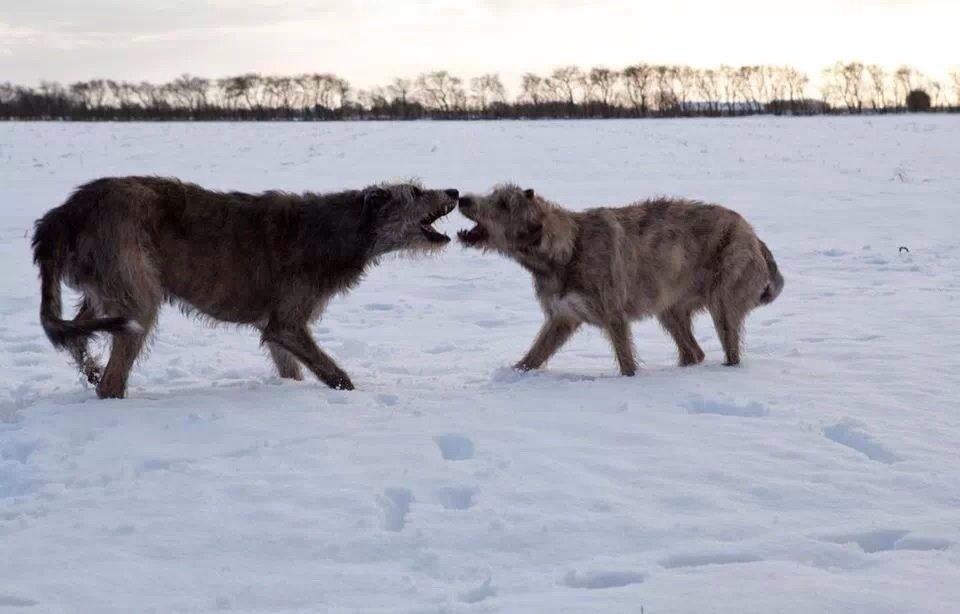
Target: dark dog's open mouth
[[426, 225], [477, 234]]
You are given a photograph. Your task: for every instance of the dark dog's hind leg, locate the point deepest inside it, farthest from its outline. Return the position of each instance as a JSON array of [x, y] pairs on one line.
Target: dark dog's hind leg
[[297, 340], [286, 363], [123, 353], [78, 346]]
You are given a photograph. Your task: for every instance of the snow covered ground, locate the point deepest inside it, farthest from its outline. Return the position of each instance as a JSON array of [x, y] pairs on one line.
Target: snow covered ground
[[821, 476]]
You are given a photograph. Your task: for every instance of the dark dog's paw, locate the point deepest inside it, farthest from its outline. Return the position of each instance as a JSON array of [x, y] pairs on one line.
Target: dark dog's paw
[[340, 381], [109, 392]]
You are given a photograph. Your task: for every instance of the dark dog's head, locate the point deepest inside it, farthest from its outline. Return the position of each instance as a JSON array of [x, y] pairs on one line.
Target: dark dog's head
[[519, 224], [403, 215]]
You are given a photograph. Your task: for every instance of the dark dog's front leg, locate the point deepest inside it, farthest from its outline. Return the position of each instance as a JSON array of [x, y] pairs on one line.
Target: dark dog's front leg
[[554, 333], [297, 341]]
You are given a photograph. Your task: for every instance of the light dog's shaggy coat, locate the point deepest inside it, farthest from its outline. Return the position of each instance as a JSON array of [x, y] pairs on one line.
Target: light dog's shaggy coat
[[269, 260], [608, 266]]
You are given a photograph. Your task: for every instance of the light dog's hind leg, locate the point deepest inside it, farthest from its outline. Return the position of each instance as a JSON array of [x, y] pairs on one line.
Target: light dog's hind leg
[[618, 330], [678, 323]]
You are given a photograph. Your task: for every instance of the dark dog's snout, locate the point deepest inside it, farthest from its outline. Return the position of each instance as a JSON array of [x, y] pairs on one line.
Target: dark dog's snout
[[465, 201], [452, 193]]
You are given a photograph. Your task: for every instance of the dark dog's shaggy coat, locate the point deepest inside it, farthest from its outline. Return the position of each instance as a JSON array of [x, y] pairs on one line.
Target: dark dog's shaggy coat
[[269, 260], [608, 266]]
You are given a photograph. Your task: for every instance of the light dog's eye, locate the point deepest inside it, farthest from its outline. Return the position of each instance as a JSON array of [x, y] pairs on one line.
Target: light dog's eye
[[417, 192]]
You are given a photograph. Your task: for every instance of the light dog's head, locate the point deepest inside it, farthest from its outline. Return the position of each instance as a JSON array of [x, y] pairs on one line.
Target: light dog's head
[[520, 224], [403, 214]]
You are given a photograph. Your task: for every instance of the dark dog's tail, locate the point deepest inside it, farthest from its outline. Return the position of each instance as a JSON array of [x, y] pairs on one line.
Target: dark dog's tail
[[49, 253], [775, 285]]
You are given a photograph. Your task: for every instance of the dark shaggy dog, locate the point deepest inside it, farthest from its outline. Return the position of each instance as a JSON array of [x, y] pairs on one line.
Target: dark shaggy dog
[[606, 267], [269, 260]]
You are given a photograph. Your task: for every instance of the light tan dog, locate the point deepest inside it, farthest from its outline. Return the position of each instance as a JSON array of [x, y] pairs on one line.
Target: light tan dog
[[607, 266]]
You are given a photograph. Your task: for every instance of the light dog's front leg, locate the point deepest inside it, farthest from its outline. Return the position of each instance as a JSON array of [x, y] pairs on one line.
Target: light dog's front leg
[[619, 332], [553, 334]]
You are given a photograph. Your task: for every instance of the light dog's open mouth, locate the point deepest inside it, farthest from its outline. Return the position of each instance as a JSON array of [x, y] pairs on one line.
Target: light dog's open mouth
[[426, 225], [477, 234]]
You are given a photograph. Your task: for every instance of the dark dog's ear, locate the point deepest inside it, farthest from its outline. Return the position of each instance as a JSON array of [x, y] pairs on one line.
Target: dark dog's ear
[[528, 193], [374, 198]]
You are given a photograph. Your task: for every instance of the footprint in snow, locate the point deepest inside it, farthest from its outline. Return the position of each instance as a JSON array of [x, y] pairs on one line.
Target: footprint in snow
[[456, 497], [478, 594], [700, 560], [395, 503], [601, 579], [10, 601], [753, 409], [885, 540], [850, 433], [454, 447]]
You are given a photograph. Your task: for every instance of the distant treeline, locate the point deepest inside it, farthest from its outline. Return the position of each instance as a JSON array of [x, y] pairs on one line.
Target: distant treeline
[[641, 90]]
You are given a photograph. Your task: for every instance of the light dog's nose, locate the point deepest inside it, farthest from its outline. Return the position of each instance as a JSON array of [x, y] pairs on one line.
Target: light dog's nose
[[452, 193]]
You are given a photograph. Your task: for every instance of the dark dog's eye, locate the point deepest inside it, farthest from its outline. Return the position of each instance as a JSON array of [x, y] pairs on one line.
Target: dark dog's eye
[[504, 205]]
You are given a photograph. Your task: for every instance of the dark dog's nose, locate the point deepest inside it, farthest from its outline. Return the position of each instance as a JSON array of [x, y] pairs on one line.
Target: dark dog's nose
[[452, 193], [465, 201]]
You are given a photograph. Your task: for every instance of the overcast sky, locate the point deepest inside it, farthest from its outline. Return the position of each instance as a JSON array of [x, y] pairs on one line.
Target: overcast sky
[[370, 42]]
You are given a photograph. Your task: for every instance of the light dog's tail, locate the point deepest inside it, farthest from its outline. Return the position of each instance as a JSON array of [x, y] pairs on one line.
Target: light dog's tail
[[775, 285]]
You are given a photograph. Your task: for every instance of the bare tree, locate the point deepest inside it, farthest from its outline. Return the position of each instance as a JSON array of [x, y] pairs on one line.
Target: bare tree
[[602, 85], [731, 87], [441, 90], [708, 88], [638, 83], [90, 94], [878, 86], [684, 85], [750, 82], [8, 92], [567, 80], [935, 89], [666, 98], [796, 82], [400, 91], [487, 89], [531, 89], [905, 80], [955, 77]]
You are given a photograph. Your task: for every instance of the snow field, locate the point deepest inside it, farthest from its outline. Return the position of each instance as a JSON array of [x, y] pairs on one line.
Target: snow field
[[821, 476]]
